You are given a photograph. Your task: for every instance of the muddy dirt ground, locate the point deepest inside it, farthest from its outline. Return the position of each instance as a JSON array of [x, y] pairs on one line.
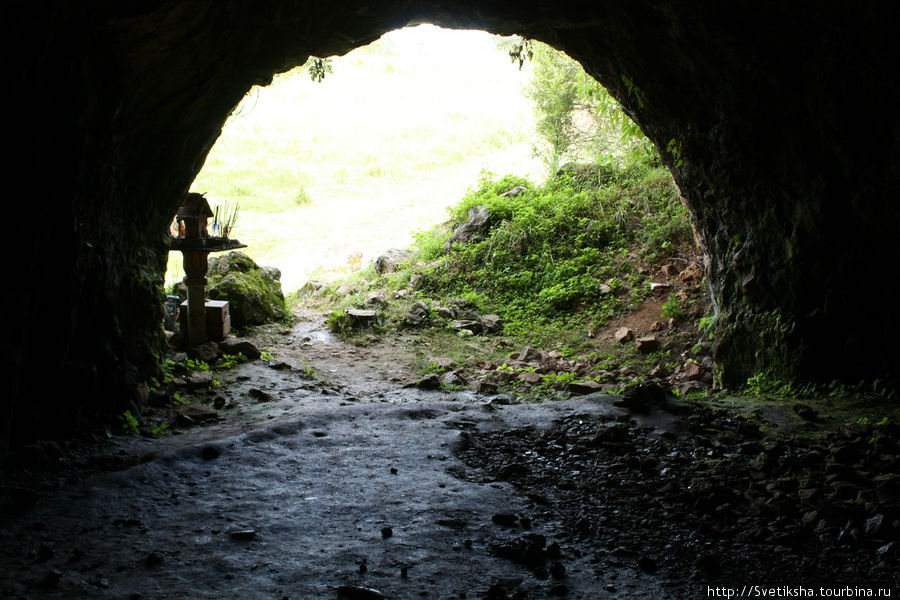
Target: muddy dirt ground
[[323, 475]]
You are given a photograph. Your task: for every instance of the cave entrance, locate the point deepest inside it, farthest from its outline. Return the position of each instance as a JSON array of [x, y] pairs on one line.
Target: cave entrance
[[328, 174]]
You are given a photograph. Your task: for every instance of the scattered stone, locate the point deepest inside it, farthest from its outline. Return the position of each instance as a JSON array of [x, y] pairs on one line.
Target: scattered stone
[[588, 386], [429, 382], [623, 335], [692, 274], [208, 352], [361, 319], [199, 379], [235, 346], [390, 260], [473, 327], [475, 224], [486, 388], [604, 289], [660, 287], [446, 312], [375, 300], [529, 378], [242, 535], [418, 313], [455, 378], [386, 532], [642, 398], [279, 365], [193, 413], [261, 395], [659, 372], [219, 402], [693, 371], [646, 345], [491, 323], [873, 524], [311, 287]]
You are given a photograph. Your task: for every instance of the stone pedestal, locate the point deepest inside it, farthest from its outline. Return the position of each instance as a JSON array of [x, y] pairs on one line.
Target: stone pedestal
[[195, 266]]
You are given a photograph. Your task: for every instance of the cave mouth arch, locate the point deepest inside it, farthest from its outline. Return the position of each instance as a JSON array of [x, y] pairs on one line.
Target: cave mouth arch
[[750, 101]]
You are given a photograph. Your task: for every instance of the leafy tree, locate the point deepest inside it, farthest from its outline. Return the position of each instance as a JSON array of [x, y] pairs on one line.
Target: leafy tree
[[577, 118]]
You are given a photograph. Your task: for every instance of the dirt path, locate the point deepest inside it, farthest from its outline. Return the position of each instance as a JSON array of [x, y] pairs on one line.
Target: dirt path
[[311, 488]]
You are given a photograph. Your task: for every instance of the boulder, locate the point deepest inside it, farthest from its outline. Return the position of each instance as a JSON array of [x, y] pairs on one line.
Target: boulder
[[693, 370], [490, 323], [467, 325], [311, 287], [390, 260], [587, 386], [208, 352], [361, 319], [624, 334], [232, 345], [472, 228], [254, 294], [646, 345], [375, 300]]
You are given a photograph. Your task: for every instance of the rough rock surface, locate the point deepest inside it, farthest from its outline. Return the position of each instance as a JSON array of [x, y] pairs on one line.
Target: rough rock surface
[[474, 225], [389, 260], [253, 293], [753, 107]]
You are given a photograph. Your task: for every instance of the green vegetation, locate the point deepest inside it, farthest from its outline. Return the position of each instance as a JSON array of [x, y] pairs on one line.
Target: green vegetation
[[566, 252], [576, 117], [130, 423]]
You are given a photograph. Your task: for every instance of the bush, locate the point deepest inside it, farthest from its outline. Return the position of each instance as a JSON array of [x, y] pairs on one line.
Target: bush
[[555, 249]]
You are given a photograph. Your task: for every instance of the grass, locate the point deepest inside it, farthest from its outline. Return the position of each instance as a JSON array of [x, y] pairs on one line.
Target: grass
[[328, 175]]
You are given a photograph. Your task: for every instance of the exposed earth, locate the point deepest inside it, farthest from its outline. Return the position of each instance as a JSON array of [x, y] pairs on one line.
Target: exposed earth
[[322, 471]]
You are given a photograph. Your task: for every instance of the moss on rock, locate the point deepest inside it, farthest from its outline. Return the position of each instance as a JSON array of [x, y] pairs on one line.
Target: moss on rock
[[253, 292]]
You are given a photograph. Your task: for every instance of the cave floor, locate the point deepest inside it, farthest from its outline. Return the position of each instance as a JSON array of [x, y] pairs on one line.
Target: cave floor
[[336, 490]]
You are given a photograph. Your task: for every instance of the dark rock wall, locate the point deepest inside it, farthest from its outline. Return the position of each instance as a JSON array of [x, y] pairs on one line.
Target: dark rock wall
[[778, 122]]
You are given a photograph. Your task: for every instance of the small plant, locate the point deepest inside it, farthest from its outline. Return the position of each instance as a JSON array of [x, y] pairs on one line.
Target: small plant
[[229, 361], [672, 309], [195, 365], [130, 424], [159, 429], [707, 326], [266, 355], [764, 383]]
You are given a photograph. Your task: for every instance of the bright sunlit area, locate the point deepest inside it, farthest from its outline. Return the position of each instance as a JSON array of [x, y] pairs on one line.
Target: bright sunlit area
[[328, 174]]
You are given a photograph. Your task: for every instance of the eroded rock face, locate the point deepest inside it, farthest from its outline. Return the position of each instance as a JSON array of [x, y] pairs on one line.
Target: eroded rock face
[[778, 122]]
